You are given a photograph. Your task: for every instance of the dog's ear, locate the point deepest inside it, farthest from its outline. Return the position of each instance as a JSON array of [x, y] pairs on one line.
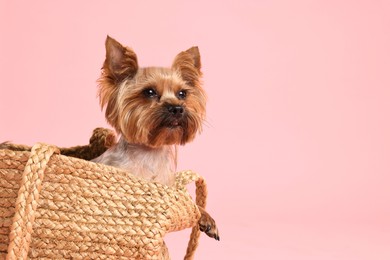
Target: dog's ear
[[121, 62], [187, 63]]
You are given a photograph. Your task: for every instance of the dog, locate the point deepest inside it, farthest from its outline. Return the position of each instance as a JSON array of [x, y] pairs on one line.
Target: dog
[[153, 110]]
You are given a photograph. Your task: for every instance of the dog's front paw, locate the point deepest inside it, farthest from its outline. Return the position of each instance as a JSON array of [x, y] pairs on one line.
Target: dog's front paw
[[207, 225]]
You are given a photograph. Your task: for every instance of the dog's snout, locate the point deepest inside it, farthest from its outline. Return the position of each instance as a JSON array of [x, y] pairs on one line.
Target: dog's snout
[[175, 109]]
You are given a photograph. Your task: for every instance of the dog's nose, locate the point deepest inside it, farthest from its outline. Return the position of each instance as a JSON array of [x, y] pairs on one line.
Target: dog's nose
[[175, 110]]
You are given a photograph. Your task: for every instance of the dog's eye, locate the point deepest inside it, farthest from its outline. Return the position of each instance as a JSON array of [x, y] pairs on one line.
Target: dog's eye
[[182, 94], [149, 92]]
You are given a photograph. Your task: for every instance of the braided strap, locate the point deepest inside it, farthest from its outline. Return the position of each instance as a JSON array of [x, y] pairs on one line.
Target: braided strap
[[27, 201], [183, 179]]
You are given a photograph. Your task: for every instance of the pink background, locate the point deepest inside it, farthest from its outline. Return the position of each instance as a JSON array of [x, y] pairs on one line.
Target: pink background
[[297, 142]]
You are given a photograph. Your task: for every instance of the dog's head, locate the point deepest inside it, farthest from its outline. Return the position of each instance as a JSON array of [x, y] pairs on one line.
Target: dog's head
[[153, 106]]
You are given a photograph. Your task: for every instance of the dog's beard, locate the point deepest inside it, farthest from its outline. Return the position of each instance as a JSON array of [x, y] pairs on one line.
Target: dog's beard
[[167, 136], [158, 128], [170, 130]]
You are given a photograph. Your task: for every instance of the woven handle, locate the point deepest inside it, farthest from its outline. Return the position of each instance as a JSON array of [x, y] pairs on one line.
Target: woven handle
[[201, 195], [27, 201]]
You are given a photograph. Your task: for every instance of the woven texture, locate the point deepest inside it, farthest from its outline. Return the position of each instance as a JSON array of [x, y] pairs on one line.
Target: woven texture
[[55, 206]]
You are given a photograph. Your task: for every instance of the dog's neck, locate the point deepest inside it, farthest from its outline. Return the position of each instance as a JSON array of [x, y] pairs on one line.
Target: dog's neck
[[152, 164]]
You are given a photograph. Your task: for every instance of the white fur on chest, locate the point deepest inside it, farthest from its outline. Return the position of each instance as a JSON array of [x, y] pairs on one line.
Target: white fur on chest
[[152, 164]]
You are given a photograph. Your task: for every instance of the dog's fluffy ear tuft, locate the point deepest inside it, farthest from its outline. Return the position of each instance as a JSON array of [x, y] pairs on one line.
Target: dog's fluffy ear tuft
[[188, 64], [121, 62]]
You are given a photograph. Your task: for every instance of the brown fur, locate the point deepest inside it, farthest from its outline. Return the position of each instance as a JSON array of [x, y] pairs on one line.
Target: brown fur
[[121, 86], [151, 125]]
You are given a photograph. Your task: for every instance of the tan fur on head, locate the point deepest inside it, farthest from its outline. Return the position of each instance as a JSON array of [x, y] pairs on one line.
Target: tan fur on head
[[142, 117]]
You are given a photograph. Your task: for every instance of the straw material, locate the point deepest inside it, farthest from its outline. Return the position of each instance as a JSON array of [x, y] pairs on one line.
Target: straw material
[[55, 206]]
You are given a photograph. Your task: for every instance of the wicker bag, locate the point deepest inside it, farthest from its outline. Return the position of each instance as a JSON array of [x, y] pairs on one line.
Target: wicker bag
[[55, 205]]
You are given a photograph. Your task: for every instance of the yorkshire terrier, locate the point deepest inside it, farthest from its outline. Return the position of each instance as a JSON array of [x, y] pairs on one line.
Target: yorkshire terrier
[[153, 110]]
